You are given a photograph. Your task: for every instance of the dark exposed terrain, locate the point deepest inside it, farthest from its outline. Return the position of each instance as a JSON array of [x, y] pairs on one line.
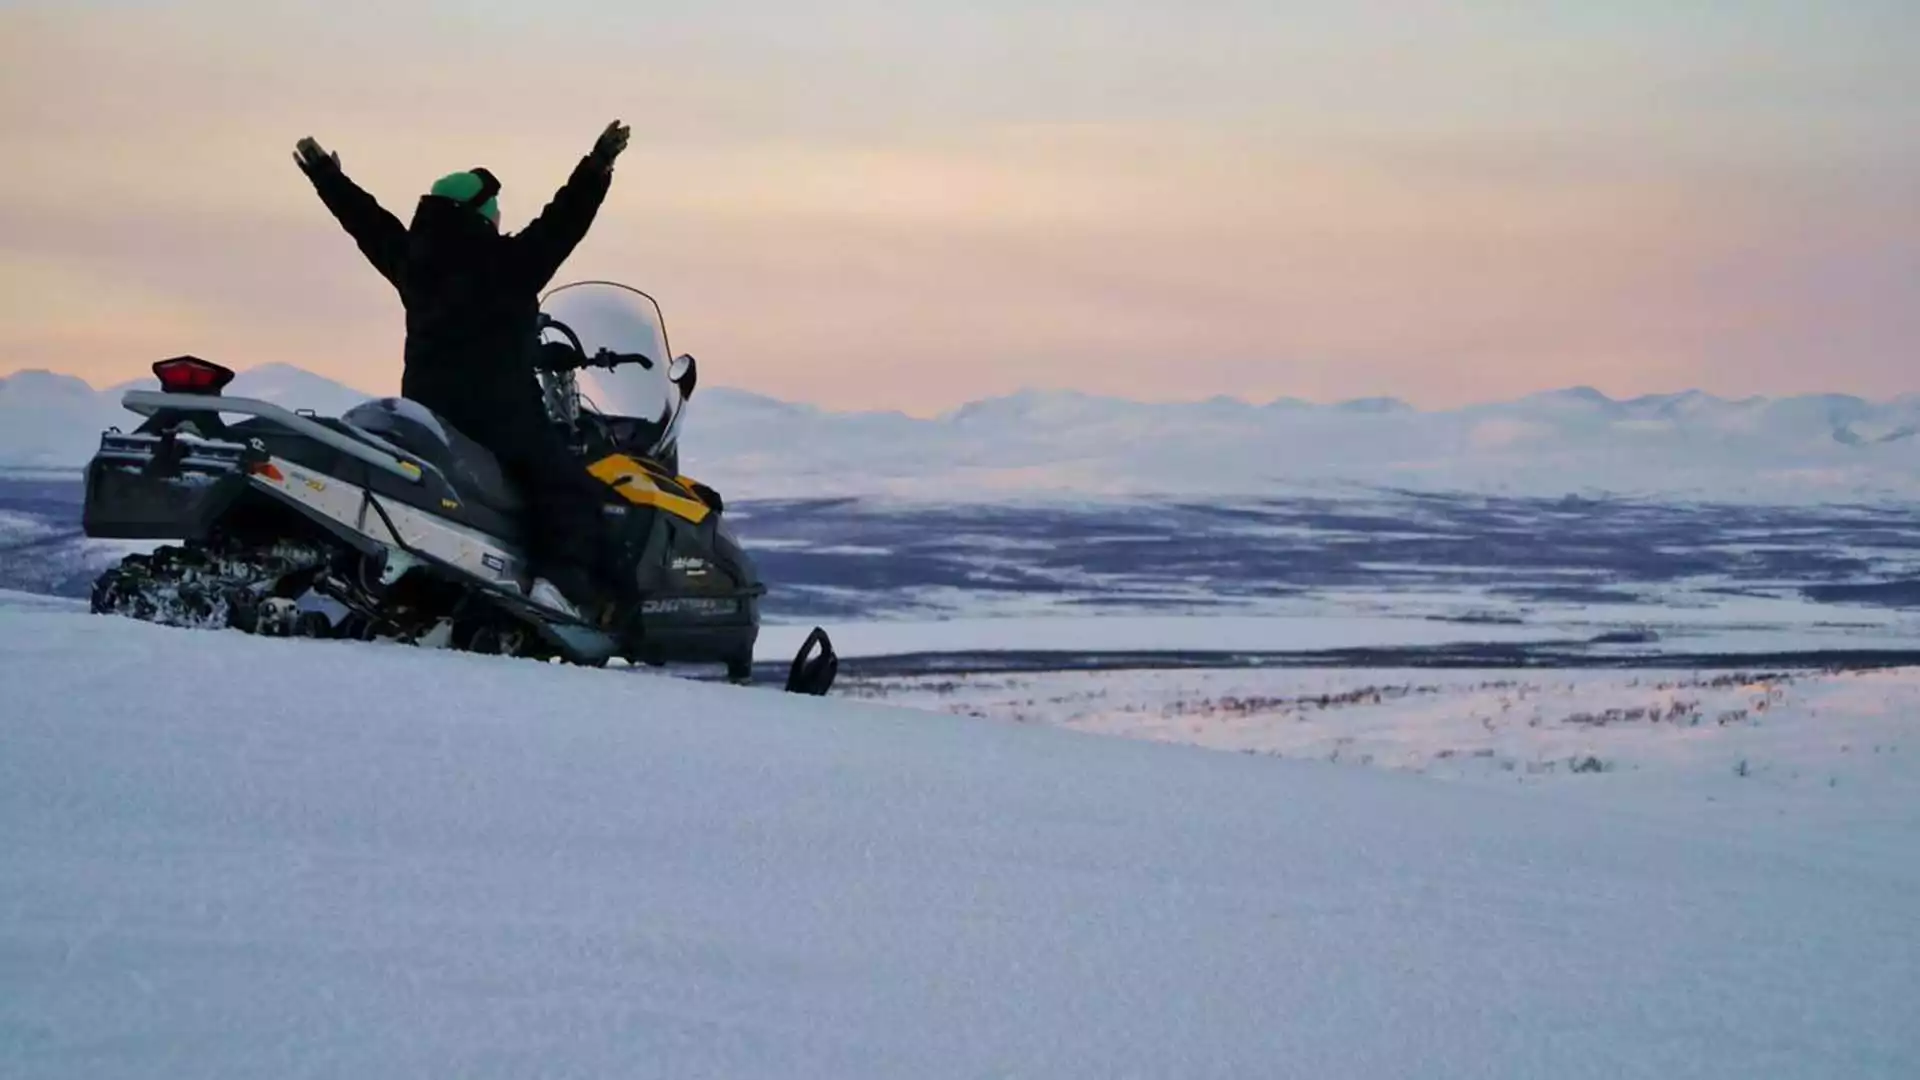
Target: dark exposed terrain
[[842, 559]]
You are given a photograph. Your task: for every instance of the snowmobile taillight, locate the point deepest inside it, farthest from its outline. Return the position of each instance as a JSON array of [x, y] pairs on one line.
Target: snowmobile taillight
[[267, 469], [191, 375]]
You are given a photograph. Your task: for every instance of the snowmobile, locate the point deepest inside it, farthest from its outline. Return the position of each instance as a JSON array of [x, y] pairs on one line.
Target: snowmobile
[[388, 523]]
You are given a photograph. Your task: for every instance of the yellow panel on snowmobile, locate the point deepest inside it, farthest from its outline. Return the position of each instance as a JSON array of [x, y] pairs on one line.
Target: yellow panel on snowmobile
[[645, 484]]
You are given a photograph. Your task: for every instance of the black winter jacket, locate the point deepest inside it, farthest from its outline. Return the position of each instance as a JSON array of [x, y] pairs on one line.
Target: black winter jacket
[[471, 295]]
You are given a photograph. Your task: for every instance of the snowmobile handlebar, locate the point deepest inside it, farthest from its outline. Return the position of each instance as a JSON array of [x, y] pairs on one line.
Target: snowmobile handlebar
[[571, 355]]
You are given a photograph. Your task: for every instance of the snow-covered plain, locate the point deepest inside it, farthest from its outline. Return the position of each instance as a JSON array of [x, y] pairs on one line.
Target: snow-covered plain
[[1362, 620], [1831, 756], [1054, 445], [1151, 633], [226, 856], [1262, 575]]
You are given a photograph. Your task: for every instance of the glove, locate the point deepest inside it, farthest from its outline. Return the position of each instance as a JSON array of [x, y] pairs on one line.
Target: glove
[[610, 144], [312, 159]]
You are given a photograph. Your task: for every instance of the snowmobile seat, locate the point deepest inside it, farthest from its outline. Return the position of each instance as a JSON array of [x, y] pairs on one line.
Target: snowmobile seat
[[471, 468]]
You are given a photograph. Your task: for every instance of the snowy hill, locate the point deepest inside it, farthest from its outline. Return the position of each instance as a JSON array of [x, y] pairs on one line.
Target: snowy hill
[[54, 421], [1811, 448], [1816, 448], [235, 857], [48, 420]]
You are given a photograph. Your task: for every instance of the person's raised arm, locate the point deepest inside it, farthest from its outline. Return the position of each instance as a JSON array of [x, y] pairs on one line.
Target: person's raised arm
[[380, 236], [545, 243]]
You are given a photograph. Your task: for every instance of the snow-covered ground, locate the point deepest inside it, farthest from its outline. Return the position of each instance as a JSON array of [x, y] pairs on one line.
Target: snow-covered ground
[[1739, 625], [1149, 633], [1833, 757], [226, 856]]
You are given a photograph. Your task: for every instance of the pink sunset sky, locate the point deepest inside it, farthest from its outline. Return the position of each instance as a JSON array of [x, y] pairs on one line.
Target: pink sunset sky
[[902, 204]]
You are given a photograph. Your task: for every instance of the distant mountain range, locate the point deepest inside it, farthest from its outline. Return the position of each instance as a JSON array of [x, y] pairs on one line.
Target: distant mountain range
[[1053, 444]]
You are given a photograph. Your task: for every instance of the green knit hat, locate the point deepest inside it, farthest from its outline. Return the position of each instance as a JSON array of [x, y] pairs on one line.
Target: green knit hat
[[462, 186]]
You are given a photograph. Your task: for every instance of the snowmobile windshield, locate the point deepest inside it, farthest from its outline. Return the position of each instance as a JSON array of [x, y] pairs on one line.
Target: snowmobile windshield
[[616, 339]]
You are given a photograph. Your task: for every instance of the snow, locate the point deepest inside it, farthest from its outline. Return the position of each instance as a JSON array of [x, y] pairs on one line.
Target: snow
[[226, 856], [1337, 619], [294, 388], [16, 600], [1814, 448], [1817, 448], [17, 528], [49, 420], [1126, 633], [1834, 756]]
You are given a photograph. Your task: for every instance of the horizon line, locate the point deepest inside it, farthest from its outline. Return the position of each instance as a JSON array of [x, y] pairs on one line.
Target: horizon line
[[1385, 401]]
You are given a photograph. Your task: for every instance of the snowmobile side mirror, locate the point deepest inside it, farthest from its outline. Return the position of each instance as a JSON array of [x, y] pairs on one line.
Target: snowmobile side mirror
[[684, 373]]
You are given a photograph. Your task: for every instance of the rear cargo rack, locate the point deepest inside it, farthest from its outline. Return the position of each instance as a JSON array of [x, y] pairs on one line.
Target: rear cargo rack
[[198, 454], [149, 402]]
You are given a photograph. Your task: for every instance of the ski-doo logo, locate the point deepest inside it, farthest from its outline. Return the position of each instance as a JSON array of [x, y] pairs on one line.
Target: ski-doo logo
[[688, 605], [690, 565]]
